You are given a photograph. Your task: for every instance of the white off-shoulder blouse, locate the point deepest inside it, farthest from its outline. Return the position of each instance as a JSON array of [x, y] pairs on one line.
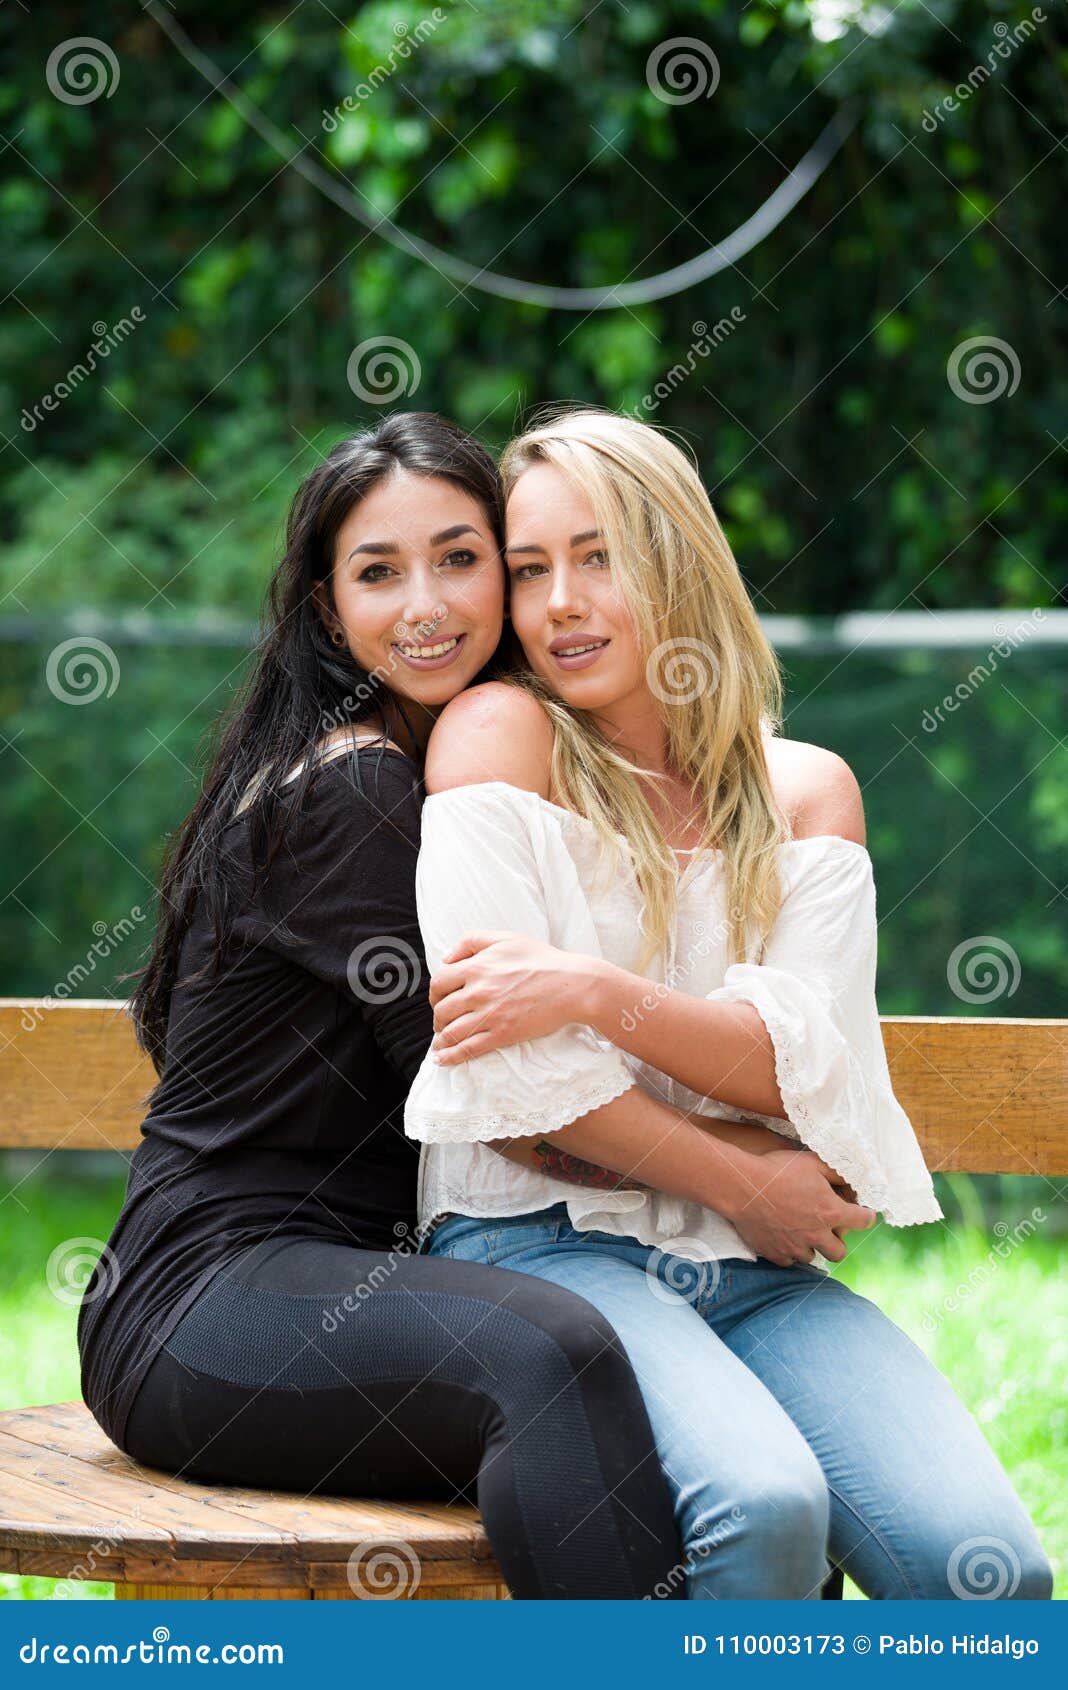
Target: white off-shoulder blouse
[[496, 856]]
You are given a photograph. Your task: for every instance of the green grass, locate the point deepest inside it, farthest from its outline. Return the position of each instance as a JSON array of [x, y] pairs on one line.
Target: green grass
[[993, 1318], [38, 1345], [1001, 1339]]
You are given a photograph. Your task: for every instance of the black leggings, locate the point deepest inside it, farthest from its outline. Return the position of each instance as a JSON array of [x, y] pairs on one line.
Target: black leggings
[[308, 1365]]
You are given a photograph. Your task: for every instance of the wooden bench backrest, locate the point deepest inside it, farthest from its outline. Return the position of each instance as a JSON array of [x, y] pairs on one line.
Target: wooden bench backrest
[[984, 1095]]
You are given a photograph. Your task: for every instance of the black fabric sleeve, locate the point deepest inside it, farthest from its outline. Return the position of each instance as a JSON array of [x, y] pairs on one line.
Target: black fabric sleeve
[[343, 883]]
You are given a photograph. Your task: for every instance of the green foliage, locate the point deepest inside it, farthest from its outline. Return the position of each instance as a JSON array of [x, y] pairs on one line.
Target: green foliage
[[525, 137], [965, 809], [114, 533]]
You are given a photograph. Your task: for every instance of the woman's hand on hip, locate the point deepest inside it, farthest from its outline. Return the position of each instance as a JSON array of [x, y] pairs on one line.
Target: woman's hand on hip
[[496, 989]]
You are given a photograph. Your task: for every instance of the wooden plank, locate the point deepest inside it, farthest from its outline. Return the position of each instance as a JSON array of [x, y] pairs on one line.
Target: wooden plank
[[327, 1527], [91, 1503], [37, 1516], [338, 1575], [162, 1593], [266, 1593], [207, 1575], [222, 1581], [41, 1564], [248, 1578], [456, 1593], [111, 1568], [195, 1524], [485, 1592], [71, 1075], [984, 1095], [201, 1593], [68, 1430], [235, 1575]]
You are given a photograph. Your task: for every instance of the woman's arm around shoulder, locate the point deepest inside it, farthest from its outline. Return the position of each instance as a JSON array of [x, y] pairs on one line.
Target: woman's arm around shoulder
[[492, 732]]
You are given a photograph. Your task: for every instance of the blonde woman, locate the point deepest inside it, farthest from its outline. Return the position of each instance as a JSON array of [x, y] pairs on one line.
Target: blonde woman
[[658, 1077]]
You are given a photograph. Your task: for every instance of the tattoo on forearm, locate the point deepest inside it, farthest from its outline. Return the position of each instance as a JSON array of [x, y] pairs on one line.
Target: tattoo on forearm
[[560, 1164]]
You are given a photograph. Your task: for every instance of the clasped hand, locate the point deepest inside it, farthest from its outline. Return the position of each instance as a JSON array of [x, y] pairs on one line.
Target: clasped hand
[[799, 1205]]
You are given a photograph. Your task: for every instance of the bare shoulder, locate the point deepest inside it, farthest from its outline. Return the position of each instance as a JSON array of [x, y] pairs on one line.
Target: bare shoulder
[[816, 789], [495, 731]]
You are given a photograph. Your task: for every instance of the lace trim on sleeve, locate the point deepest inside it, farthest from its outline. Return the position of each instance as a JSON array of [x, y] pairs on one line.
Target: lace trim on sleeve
[[475, 1126], [835, 1139]]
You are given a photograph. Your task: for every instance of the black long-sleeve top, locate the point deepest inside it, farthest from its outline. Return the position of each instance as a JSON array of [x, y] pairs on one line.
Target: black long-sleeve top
[[280, 1108]]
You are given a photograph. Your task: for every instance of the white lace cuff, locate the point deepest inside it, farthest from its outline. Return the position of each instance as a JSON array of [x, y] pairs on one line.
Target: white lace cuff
[[533, 1087], [848, 1117]]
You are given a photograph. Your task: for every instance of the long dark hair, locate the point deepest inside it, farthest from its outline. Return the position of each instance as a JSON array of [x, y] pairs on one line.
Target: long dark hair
[[299, 684]]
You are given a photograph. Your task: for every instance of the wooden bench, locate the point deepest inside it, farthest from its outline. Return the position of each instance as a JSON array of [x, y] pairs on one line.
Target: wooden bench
[[985, 1096]]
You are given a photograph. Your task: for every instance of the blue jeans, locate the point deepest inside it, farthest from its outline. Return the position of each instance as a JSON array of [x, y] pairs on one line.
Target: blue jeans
[[794, 1422]]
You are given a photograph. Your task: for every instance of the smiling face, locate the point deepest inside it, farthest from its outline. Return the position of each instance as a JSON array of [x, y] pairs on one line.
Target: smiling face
[[418, 587], [564, 597]]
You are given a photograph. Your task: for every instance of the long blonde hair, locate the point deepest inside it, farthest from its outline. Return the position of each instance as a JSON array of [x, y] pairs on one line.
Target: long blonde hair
[[707, 661]]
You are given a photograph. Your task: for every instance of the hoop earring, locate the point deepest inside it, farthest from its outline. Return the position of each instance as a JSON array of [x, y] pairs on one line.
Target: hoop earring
[[338, 637]]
